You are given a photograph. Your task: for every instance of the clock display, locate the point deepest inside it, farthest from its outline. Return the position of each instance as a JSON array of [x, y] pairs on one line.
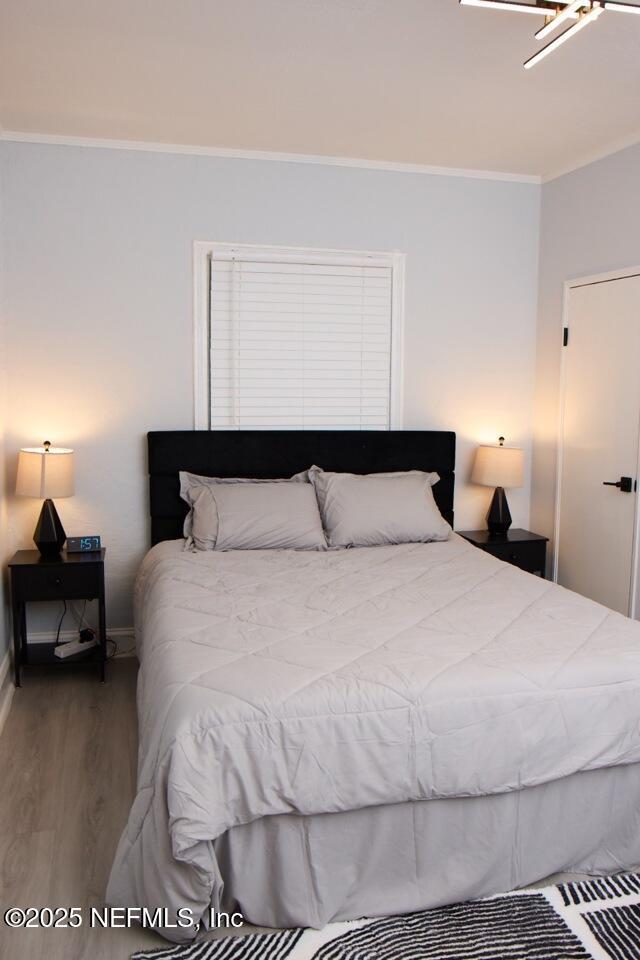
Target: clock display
[[88, 544]]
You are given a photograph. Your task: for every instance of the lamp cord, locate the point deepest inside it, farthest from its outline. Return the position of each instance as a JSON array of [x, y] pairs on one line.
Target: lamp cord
[[84, 610], [64, 613]]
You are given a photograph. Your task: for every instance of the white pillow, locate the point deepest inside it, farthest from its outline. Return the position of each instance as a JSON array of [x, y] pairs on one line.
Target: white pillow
[[201, 524], [377, 508]]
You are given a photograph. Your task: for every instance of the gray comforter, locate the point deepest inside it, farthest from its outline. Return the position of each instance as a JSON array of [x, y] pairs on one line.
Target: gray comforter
[[282, 681]]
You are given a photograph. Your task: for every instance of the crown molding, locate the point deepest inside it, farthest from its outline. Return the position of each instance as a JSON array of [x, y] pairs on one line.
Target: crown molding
[[230, 153], [593, 157]]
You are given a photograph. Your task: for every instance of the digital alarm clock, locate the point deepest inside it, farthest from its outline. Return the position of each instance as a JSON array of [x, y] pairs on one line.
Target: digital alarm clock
[[83, 544]]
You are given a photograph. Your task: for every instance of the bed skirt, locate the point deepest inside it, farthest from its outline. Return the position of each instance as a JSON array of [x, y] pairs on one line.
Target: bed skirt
[[289, 871]]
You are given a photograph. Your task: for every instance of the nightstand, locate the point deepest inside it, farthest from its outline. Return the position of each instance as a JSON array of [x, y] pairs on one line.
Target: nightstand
[[71, 576], [520, 547]]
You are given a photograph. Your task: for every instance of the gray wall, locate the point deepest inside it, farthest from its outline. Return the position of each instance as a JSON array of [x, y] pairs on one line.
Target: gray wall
[[590, 224], [98, 291]]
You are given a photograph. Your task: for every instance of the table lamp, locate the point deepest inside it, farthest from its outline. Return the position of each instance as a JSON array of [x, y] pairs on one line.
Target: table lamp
[[498, 466], [45, 472]]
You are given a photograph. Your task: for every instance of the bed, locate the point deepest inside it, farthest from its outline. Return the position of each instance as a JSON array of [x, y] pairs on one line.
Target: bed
[[327, 735]]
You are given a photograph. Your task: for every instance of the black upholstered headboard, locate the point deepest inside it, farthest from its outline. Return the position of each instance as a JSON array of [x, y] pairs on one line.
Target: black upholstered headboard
[[269, 454]]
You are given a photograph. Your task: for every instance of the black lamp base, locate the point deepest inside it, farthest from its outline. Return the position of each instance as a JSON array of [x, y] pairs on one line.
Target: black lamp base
[[499, 516], [49, 535]]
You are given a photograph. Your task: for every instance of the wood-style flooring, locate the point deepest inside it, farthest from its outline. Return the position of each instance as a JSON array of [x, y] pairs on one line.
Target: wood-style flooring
[[67, 778]]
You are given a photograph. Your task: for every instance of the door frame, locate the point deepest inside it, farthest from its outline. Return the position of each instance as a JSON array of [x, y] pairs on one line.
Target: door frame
[[568, 286]]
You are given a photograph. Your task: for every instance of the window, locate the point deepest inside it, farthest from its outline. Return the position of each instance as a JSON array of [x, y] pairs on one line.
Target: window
[[297, 339]]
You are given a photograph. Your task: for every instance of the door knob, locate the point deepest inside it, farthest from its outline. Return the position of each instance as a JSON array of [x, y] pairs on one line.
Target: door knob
[[624, 484]]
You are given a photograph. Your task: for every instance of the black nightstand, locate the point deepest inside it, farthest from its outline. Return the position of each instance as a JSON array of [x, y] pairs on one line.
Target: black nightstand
[[71, 576], [520, 547]]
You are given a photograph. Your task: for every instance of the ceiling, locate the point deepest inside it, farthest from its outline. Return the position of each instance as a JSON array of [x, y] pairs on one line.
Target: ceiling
[[404, 81]]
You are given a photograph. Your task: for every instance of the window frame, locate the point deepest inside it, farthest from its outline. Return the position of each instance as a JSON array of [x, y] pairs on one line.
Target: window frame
[[204, 251]]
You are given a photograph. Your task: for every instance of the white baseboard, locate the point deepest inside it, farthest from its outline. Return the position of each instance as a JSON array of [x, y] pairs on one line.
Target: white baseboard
[[123, 636], [6, 689]]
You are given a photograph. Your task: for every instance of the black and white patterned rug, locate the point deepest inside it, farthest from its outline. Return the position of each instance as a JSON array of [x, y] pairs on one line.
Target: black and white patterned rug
[[587, 920]]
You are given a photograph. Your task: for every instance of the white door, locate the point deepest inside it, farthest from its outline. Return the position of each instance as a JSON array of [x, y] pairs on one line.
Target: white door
[[601, 429]]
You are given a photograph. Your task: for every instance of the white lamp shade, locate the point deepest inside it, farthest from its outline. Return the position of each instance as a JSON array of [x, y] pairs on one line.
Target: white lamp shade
[[497, 466], [45, 474]]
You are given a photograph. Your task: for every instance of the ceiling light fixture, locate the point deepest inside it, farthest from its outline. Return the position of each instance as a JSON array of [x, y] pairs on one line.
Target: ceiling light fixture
[[561, 17], [584, 21], [622, 7], [508, 5], [557, 12]]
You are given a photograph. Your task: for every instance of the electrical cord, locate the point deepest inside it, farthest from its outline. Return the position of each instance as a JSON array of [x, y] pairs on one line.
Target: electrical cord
[[111, 655], [114, 645], [81, 629], [84, 610], [64, 613], [79, 615]]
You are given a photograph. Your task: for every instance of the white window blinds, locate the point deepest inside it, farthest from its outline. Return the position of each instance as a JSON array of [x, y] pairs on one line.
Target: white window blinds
[[299, 344]]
